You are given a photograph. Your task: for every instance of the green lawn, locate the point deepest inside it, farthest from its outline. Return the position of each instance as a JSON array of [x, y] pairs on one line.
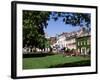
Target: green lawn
[[57, 60]]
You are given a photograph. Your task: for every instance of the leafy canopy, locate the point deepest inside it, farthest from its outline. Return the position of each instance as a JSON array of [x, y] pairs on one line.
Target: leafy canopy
[[34, 23]]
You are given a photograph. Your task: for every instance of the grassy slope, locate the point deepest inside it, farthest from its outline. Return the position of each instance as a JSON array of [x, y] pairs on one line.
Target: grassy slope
[[47, 61]]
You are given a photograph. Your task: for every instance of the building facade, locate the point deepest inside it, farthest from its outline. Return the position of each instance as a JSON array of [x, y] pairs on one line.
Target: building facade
[[71, 43], [80, 41], [61, 41], [83, 44]]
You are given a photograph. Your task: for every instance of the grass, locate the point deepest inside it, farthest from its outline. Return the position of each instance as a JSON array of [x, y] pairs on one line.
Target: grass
[[52, 61]]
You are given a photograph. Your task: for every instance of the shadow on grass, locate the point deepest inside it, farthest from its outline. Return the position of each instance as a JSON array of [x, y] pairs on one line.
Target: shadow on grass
[[37, 55], [73, 64]]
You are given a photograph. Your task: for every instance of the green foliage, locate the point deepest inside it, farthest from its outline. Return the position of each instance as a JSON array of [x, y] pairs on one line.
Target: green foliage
[[47, 43], [75, 19], [34, 23]]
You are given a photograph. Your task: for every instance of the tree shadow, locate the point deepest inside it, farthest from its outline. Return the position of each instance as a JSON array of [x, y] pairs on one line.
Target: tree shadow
[[73, 64], [37, 55]]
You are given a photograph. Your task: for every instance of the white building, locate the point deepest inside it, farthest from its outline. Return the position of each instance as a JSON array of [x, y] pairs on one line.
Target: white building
[[71, 43], [61, 42], [68, 40]]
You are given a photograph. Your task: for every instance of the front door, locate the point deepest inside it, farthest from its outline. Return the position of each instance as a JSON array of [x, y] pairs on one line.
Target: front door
[[83, 51]]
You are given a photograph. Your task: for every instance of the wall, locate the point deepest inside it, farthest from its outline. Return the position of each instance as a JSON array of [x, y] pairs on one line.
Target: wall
[[5, 40]]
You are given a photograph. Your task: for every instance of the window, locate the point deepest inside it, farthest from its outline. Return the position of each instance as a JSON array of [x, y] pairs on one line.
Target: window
[[81, 42], [84, 42], [88, 42], [78, 43]]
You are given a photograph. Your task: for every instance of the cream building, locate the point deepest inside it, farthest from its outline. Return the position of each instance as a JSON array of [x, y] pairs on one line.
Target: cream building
[[71, 43], [68, 39]]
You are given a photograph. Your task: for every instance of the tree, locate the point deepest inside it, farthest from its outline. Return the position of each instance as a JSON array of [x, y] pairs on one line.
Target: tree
[[75, 19], [34, 23], [33, 28]]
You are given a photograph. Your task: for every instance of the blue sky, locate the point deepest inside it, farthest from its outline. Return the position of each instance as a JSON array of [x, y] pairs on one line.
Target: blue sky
[[57, 27]]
